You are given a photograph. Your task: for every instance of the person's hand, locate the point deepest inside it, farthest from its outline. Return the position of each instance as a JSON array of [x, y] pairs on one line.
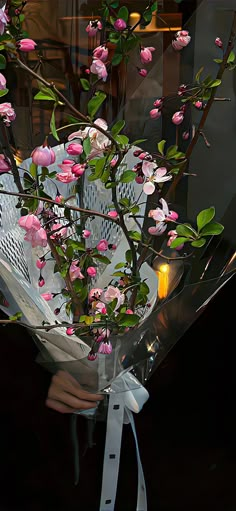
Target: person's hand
[[65, 395]]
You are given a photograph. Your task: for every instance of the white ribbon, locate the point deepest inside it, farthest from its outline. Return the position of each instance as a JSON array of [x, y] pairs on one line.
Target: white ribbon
[[123, 400]]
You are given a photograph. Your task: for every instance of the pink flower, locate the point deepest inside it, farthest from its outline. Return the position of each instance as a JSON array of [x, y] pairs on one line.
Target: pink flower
[[92, 356], [66, 177], [102, 246], [113, 213], [78, 169], [4, 164], [98, 140], [177, 118], [161, 217], [218, 42], [105, 348], [29, 222], [173, 235], [75, 271], [47, 296], [111, 293], [129, 311], [146, 54], [185, 135], [142, 72], [26, 45], [98, 68], [59, 199], [37, 238], [101, 53], [182, 89], [91, 271], [43, 156], [153, 175], [74, 149], [198, 105], [67, 162], [182, 39], [93, 27], [95, 293], [158, 103], [113, 162], [59, 230], [40, 263], [7, 112], [155, 113], [120, 25], [41, 281], [3, 21], [70, 331], [2, 82], [86, 233]]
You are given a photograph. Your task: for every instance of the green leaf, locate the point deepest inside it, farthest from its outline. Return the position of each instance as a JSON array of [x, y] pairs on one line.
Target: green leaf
[[60, 251], [231, 57], [218, 61], [123, 13], [103, 259], [95, 103], [186, 231], [134, 210], [119, 265], [85, 83], [3, 92], [214, 83], [33, 170], [76, 245], [129, 319], [198, 243], [122, 140], [53, 125], [128, 256], [118, 274], [44, 174], [171, 151], [116, 59], [3, 62], [211, 229], [178, 241], [127, 176], [87, 146], [139, 141], [161, 146], [204, 217], [118, 126], [134, 235], [43, 97], [124, 202], [114, 37], [197, 77], [143, 288]]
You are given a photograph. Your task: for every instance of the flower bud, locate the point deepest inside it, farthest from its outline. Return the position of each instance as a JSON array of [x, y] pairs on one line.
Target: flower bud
[[142, 72], [43, 156], [91, 271], [70, 331], [218, 42], [41, 281], [40, 263], [120, 25], [26, 45], [74, 149]]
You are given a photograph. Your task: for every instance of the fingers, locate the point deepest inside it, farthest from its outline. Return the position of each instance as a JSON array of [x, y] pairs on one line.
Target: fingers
[[67, 383]]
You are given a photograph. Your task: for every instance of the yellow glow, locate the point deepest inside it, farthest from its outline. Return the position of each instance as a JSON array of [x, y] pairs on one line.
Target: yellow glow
[[152, 27], [163, 280], [18, 160]]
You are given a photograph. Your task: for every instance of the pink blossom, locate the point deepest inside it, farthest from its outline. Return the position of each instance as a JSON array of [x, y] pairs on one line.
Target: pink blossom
[[185, 135], [101, 53], [112, 293], [113, 162], [100, 308], [177, 118], [102, 246], [70, 331], [26, 45], [29, 222], [91, 271], [142, 72], [120, 25], [105, 348], [93, 27], [7, 112], [2, 82], [98, 140], [87, 71], [59, 199], [198, 105], [153, 175], [75, 271], [4, 164], [113, 213], [41, 282], [182, 39], [67, 162], [158, 103], [66, 177], [218, 42], [143, 155], [47, 296], [157, 230], [155, 113], [98, 68], [60, 231], [36, 238], [164, 214], [3, 21], [86, 233], [43, 156], [129, 311], [173, 235], [92, 356], [40, 263], [146, 54], [78, 169], [95, 293], [74, 149]]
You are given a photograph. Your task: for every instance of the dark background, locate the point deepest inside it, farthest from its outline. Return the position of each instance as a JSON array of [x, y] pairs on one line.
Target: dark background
[[186, 429]]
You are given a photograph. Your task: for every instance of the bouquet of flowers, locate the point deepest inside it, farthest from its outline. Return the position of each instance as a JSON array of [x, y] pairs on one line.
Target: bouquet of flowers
[[95, 259]]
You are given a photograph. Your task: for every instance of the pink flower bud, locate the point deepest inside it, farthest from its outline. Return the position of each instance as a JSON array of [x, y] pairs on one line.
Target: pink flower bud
[[102, 246], [120, 25], [92, 356], [43, 156], [143, 156], [113, 213], [129, 311], [2, 82], [142, 72], [47, 296], [91, 271], [158, 103], [185, 135], [41, 281], [70, 331], [112, 247], [5, 165], [139, 180], [105, 348], [74, 149], [218, 42], [146, 54], [101, 52], [59, 199], [155, 113], [86, 233], [177, 118], [93, 27], [67, 162], [198, 105], [40, 263], [78, 169], [29, 222], [87, 71], [113, 162], [26, 45]]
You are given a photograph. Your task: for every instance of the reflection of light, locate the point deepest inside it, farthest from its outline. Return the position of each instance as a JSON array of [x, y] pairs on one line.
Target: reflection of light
[[151, 347], [17, 159], [163, 280]]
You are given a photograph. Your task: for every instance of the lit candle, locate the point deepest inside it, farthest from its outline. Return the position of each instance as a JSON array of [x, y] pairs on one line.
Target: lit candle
[[163, 280]]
